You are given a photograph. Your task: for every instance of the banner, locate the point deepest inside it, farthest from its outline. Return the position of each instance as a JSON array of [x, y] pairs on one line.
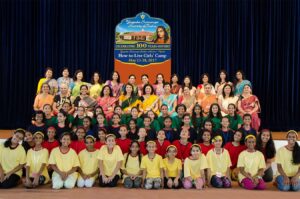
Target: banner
[[143, 46]]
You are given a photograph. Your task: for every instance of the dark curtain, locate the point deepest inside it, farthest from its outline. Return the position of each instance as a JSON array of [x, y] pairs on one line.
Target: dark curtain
[[261, 37]]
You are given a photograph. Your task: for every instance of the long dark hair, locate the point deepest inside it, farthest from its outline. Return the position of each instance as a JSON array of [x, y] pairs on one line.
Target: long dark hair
[[225, 72], [202, 76], [119, 78], [156, 82], [296, 149], [270, 146], [231, 94], [211, 115], [132, 92], [100, 78], [190, 84], [166, 37], [235, 112], [76, 73], [235, 79], [102, 91], [7, 142], [194, 114], [138, 153], [174, 75]]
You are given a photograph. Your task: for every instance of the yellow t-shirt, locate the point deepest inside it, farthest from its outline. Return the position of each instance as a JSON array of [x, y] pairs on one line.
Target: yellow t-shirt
[[88, 161], [110, 160], [251, 162], [133, 164], [35, 159], [152, 166], [192, 168], [285, 157], [64, 162], [218, 163], [11, 158], [172, 169]]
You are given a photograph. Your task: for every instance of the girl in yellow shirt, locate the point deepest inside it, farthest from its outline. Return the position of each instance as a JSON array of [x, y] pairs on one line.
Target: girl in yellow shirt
[[218, 159], [36, 163], [64, 162], [88, 169], [12, 160], [251, 164], [132, 173], [288, 164], [173, 168], [194, 169], [110, 160]]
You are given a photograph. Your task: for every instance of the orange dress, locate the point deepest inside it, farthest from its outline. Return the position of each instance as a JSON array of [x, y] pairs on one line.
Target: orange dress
[[205, 101]]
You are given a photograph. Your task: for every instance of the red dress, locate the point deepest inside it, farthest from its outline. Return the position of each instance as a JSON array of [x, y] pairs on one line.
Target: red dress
[[234, 152], [162, 149]]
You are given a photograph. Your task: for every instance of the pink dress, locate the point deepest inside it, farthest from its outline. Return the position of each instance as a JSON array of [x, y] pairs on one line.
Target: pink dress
[[248, 104], [107, 103]]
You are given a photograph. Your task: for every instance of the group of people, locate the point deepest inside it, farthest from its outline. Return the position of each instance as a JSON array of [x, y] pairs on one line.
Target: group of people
[[151, 136]]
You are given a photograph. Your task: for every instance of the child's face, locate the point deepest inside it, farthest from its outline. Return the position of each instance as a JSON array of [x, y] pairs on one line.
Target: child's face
[[147, 122], [208, 125], [265, 136], [118, 110], [38, 139], [39, 118], [86, 123], [134, 148], [65, 140], [225, 122], [134, 113], [66, 107], [80, 134], [100, 119], [51, 133], [101, 135], [123, 131], [151, 115], [151, 147], [61, 117], [110, 142], [47, 110], [197, 110], [164, 110], [89, 143], [17, 137], [28, 137], [215, 109], [250, 143], [195, 152], [237, 137], [116, 119], [161, 135], [218, 143], [180, 110], [206, 136], [142, 133], [168, 123], [247, 120], [184, 134], [292, 138], [186, 120], [80, 111], [98, 111], [132, 125], [172, 152], [231, 109]]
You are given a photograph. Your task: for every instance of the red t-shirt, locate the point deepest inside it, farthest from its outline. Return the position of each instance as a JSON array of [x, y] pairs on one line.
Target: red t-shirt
[[205, 148], [50, 145], [161, 149], [98, 145], [77, 146], [143, 149], [124, 144], [183, 151], [234, 152]]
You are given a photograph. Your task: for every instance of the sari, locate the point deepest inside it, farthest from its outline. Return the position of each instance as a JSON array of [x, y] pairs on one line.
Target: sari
[[239, 87], [175, 89], [116, 89], [248, 104], [159, 90], [149, 103], [226, 101], [188, 102], [129, 103], [219, 87], [75, 88], [205, 101], [169, 101], [107, 104], [51, 82], [200, 89], [95, 90]]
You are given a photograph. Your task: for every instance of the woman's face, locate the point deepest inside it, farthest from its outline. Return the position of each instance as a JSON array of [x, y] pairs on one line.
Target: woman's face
[[89, 143], [148, 90], [174, 79], [180, 110], [84, 90], [186, 91], [161, 135], [66, 107], [61, 117], [38, 139], [265, 136], [205, 79], [231, 109], [116, 119], [45, 88], [227, 90], [151, 147], [63, 89], [96, 77], [142, 133], [115, 76], [247, 120], [160, 33], [131, 80], [65, 73], [206, 136], [225, 122], [80, 111], [151, 115], [207, 89], [145, 79], [239, 75], [159, 78], [187, 81], [222, 76], [292, 138], [247, 89], [167, 88], [49, 74], [128, 89], [65, 140], [186, 120], [118, 110], [17, 137], [110, 142], [79, 76], [106, 91]]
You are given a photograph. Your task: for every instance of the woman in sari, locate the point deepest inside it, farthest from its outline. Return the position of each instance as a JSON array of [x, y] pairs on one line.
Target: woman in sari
[[107, 102], [205, 80], [149, 101], [115, 84], [132, 81], [187, 82], [84, 100], [97, 85], [175, 87], [227, 97], [145, 80], [43, 98], [223, 80], [128, 100], [159, 85], [169, 99], [187, 99], [77, 83], [49, 80], [249, 103], [240, 82], [206, 99]]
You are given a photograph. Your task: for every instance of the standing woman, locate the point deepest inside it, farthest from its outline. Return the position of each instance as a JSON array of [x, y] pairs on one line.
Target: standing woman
[[128, 99], [149, 101], [187, 99], [204, 80], [187, 82], [64, 162], [159, 84], [43, 98], [115, 84], [240, 82], [249, 104], [48, 79], [65, 79], [288, 164], [97, 85], [225, 98], [110, 161], [251, 164], [206, 99], [107, 102], [175, 86], [77, 83], [223, 80], [265, 144], [12, 160], [169, 100]]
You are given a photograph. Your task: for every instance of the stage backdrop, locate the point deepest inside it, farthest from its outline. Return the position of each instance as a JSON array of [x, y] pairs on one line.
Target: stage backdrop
[[261, 37]]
